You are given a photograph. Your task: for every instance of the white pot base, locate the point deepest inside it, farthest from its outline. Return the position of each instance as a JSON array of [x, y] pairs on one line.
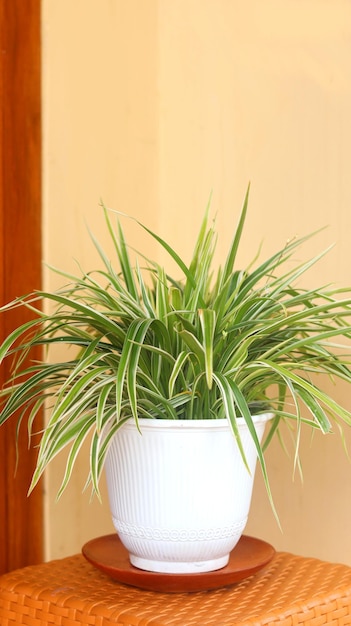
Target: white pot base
[[178, 567]]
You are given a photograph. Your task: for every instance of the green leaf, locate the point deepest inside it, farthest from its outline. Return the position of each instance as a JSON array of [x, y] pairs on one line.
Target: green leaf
[[194, 345], [173, 254], [229, 264], [208, 324], [176, 371]]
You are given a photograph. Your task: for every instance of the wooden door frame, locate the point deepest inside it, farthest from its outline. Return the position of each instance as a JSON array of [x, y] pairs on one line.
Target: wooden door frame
[[21, 523]]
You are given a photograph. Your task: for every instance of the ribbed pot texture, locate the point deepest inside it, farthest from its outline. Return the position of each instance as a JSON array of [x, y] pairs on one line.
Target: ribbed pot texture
[[179, 491]]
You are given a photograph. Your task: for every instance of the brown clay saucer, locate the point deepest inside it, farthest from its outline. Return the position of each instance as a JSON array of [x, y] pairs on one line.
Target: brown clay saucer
[[109, 555]]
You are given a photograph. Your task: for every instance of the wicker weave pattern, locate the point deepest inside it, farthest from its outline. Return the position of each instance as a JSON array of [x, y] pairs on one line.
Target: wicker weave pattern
[[291, 591]]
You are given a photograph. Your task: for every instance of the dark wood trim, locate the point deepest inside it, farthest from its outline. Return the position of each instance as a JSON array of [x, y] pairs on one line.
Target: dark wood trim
[[21, 525]]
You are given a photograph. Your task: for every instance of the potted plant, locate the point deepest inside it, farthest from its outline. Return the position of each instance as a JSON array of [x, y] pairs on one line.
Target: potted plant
[[156, 363]]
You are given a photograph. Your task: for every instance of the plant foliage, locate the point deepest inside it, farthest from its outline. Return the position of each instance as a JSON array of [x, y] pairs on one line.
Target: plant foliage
[[208, 344]]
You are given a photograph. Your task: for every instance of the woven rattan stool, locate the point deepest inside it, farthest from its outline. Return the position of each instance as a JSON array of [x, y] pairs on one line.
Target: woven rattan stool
[[70, 592]]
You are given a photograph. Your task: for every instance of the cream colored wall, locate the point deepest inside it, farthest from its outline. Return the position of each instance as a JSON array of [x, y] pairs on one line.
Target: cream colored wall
[[100, 115], [151, 104]]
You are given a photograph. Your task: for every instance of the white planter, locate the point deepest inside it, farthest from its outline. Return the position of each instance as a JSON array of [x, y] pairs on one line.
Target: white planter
[[179, 491]]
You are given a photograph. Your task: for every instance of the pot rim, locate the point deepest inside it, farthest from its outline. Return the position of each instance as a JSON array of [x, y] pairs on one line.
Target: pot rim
[[146, 422]]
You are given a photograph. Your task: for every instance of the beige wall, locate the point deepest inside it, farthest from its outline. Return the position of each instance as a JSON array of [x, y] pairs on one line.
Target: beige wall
[[150, 105]]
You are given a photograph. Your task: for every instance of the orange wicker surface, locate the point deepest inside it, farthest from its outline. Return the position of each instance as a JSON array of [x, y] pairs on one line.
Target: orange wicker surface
[[291, 590]]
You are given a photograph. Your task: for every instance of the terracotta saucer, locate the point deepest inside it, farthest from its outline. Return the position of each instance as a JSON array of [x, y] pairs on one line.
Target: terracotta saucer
[[109, 555]]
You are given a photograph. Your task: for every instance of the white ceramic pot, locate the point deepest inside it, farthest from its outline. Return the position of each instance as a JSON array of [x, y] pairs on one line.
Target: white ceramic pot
[[179, 491]]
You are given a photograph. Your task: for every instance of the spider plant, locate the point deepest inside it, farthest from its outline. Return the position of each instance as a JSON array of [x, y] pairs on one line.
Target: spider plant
[[208, 344]]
